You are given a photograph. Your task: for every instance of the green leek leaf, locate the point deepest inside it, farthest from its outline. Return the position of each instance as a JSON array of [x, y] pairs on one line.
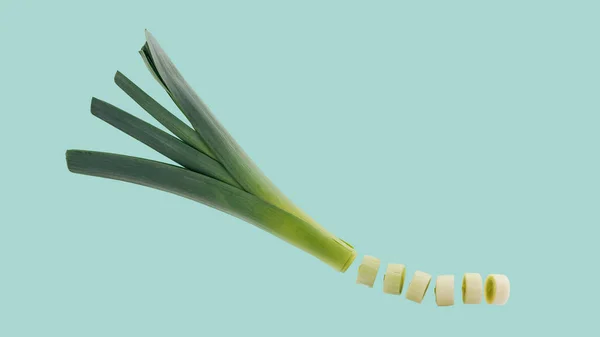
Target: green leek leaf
[[214, 193], [162, 115], [161, 141], [218, 139], [217, 171]]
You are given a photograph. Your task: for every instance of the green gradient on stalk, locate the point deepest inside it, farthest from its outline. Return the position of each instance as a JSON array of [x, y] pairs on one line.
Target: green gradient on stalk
[[228, 152], [214, 193], [221, 143]]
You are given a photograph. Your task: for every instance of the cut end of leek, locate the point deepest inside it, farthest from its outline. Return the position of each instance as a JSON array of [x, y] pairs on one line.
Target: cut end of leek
[[444, 290], [471, 288], [418, 287], [497, 289], [367, 271], [393, 279], [351, 258]]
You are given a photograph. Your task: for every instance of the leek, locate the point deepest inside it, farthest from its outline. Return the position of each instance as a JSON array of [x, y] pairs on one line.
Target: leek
[[216, 171]]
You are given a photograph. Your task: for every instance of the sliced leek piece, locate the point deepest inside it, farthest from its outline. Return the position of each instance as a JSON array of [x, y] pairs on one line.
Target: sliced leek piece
[[393, 279], [418, 286], [444, 290], [471, 288], [367, 271], [497, 289]]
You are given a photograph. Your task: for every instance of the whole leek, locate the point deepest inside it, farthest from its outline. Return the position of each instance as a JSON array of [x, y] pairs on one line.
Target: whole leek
[[216, 171]]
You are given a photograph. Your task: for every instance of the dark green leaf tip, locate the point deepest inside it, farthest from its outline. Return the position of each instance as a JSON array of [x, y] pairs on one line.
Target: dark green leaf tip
[[94, 105], [118, 75], [68, 157]]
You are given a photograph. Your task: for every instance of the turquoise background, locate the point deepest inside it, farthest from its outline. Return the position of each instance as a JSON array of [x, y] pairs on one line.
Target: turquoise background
[[451, 136]]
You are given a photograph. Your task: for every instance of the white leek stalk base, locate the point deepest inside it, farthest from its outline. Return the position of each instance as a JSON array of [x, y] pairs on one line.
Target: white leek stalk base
[[497, 289], [367, 271], [418, 286]]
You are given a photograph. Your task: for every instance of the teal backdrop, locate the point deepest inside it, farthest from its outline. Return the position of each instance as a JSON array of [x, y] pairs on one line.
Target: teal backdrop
[[451, 136]]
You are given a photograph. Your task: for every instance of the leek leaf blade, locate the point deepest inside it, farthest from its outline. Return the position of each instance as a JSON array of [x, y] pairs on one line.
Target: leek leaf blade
[[162, 115], [161, 141], [221, 143], [214, 193]]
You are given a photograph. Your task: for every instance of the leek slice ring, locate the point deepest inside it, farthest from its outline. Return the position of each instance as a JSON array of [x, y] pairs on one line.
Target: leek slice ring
[[367, 271], [393, 279], [497, 289], [444, 290], [471, 288], [418, 287]]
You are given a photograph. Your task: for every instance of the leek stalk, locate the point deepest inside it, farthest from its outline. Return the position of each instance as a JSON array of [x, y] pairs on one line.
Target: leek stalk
[[216, 194], [216, 171]]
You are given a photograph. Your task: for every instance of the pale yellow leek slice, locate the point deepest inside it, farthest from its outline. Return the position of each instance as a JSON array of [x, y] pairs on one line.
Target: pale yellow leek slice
[[367, 271], [497, 289], [393, 279], [444, 290], [418, 286], [472, 288]]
